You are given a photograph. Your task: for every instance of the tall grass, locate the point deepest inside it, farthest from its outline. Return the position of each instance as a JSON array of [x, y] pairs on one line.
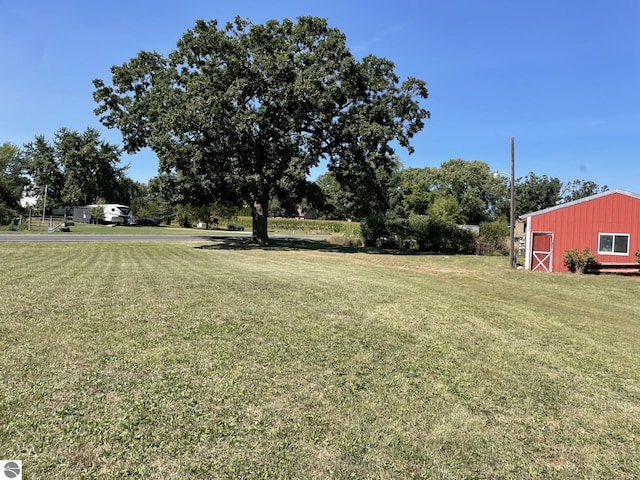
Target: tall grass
[[229, 361]]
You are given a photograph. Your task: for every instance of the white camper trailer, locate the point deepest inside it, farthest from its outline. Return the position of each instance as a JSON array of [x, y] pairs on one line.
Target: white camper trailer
[[113, 213]]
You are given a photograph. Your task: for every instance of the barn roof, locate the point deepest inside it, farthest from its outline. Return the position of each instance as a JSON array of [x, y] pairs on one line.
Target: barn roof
[[581, 200]]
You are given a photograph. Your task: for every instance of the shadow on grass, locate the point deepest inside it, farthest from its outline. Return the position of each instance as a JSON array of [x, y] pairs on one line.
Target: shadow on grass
[[290, 244]]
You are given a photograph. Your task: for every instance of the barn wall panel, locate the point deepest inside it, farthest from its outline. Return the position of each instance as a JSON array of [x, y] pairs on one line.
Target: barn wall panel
[[578, 225]]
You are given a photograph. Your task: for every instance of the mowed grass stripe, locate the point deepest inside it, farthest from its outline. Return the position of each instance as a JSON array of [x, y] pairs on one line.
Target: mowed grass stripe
[[172, 361]]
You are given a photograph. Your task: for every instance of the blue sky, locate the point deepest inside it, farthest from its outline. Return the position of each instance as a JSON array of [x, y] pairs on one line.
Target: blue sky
[[562, 77]]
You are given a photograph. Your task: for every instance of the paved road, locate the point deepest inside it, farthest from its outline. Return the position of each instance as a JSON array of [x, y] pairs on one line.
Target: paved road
[[78, 237]]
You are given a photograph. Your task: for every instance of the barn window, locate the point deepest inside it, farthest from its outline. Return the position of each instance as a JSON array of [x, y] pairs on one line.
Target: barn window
[[613, 243]]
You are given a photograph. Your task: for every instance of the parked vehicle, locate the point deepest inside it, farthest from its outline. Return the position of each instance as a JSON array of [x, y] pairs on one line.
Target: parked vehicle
[[148, 222], [111, 213]]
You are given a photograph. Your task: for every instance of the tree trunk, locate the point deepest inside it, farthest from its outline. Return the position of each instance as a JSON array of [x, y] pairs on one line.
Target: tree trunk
[[259, 211]]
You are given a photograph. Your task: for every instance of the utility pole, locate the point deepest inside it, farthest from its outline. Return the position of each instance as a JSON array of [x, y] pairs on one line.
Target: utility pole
[[512, 211]]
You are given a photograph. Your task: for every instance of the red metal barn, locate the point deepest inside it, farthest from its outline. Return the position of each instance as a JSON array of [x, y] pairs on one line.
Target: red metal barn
[[608, 224]]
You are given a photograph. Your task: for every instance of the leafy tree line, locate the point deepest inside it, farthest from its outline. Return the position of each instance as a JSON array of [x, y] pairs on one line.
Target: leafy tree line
[[12, 181], [463, 191], [457, 192], [238, 114], [80, 167], [427, 204], [75, 168]]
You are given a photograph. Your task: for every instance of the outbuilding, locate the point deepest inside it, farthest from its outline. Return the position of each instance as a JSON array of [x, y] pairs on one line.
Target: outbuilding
[[607, 223]]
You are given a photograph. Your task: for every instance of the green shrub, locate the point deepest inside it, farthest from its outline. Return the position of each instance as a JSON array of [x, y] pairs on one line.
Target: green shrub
[[372, 229], [463, 242], [400, 232], [494, 238], [578, 261], [440, 236], [423, 232], [638, 256]]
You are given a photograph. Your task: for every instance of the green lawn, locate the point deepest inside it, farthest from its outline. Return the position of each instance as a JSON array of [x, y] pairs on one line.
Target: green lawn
[[83, 228], [168, 360], [276, 226]]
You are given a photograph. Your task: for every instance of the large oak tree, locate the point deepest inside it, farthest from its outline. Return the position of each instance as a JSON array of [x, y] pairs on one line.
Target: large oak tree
[[242, 112]]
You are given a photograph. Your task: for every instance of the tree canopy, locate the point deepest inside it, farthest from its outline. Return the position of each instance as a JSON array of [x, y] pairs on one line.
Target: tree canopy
[[12, 180], [429, 202], [78, 166], [242, 112], [536, 192]]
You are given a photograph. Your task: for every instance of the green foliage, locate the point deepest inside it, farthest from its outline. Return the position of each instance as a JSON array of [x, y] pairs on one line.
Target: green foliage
[[286, 208], [338, 203], [149, 207], [276, 209], [460, 191], [416, 190], [97, 212], [472, 185], [494, 237], [400, 230], [373, 228], [12, 181], [43, 166], [79, 167], [186, 215], [242, 112], [446, 209], [90, 167], [128, 190], [420, 232], [578, 189], [11, 226], [638, 256], [537, 193], [440, 236], [425, 233], [578, 261]]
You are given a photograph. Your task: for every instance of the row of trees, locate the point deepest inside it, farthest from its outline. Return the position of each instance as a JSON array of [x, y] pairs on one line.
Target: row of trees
[[419, 206], [427, 204], [80, 167], [423, 204], [76, 168], [12, 180], [463, 191], [238, 114]]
